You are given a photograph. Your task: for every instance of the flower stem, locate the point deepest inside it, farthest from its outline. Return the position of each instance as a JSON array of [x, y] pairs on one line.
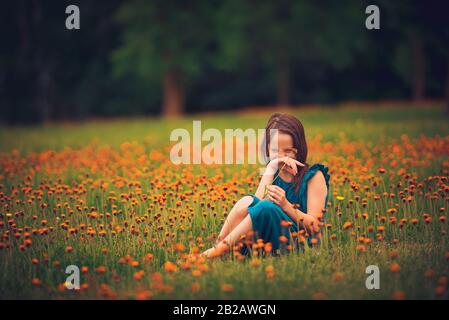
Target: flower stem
[[266, 190]]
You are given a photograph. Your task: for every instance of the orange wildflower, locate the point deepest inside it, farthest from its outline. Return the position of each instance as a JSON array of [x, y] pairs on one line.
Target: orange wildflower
[[395, 267], [36, 282], [100, 269], [195, 287], [144, 295], [138, 275], [226, 287], [170, 267], [398, 295]]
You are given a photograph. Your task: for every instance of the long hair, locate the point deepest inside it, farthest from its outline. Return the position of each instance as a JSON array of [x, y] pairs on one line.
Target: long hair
[[286, 123]]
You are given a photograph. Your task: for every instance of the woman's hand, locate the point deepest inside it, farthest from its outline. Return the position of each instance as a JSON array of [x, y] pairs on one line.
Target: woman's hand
[[290, 163], [277, 195]]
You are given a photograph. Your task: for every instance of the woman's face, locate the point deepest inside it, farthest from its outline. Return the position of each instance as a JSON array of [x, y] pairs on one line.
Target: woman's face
[[284, 146]]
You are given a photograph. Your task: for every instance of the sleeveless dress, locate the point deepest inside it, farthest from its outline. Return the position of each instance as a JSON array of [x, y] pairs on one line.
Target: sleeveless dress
[[267, 216]]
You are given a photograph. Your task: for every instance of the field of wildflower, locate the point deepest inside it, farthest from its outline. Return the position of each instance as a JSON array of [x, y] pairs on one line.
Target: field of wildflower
[[103, 195]]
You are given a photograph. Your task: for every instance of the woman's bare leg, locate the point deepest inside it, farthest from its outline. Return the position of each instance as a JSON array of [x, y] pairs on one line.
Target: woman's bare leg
[[243, 228], [235, 216]]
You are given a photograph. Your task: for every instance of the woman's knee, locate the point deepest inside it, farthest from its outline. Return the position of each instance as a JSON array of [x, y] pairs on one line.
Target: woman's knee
[[241, 206], [268, 205], [267, 210], [246, 200], [243, 203]]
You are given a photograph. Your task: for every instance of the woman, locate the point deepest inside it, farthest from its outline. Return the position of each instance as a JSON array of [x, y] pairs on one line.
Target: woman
[[287, 200]]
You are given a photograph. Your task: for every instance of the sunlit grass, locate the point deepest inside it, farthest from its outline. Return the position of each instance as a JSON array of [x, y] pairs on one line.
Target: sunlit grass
[[103, 195]]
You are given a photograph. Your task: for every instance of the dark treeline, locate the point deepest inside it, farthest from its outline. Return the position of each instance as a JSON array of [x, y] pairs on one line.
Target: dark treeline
[[171, 57]]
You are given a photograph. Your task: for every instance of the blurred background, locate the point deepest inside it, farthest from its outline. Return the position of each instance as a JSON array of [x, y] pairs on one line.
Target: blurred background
[[171, 58]]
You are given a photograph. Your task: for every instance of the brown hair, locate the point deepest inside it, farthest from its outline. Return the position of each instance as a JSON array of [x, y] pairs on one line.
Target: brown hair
[[289, 124]]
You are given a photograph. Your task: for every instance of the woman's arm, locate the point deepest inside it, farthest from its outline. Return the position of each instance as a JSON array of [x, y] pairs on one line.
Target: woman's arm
[[267, 178], [316, 201], [311, 223], [268, 175], [316, 197]]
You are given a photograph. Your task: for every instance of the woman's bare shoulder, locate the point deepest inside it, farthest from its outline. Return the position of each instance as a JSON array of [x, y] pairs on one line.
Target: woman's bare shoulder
[[317, 180]]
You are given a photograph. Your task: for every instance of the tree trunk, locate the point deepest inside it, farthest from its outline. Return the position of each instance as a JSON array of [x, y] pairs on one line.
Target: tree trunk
[[173, 103], [283, 79], [446, 94], [419, 71]]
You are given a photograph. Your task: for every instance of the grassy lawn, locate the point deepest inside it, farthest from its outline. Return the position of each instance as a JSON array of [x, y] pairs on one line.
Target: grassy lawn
[[103, 195]]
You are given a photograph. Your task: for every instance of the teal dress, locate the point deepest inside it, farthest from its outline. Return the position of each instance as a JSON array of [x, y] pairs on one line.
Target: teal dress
[[267, 216]]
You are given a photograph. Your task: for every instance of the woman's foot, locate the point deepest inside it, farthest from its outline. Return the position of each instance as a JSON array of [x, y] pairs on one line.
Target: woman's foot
[[215, 251], [208, 252], [211, 252]]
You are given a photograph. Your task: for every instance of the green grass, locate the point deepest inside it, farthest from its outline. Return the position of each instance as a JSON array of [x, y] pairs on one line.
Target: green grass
[[89, 158], [366, 124]]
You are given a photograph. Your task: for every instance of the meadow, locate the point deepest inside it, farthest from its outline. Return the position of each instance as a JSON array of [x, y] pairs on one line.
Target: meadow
[[104, 196]]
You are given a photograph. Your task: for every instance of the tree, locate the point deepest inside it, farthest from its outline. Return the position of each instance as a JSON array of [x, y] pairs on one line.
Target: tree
[[165, 41], [50, 72], [423, 35], [435, 18], [283, 34]]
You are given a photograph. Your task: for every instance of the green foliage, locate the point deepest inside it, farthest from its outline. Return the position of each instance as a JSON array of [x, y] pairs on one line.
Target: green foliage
[[230, 54], [159, 35]]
